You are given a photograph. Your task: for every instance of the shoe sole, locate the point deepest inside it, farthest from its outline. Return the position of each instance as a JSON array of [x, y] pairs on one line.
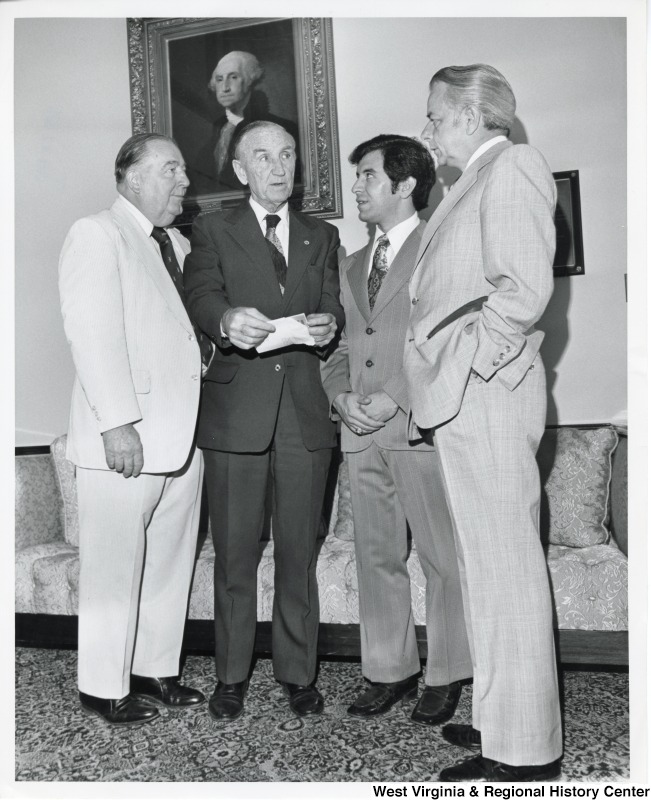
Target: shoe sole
[[411, 695], [147, 698], [90, 712]]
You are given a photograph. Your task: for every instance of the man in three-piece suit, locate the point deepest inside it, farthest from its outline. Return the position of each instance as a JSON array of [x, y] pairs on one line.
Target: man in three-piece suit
[[392, 480], [132, 425], [476, 383], [264, 416]]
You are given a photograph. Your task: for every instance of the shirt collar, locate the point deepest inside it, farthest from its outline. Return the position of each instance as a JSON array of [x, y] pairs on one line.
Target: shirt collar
[[140, 218], [484, 147], [399, 233], [261, 213]]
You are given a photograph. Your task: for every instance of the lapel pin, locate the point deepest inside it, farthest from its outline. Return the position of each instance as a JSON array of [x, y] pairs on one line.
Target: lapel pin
[[306, 242]]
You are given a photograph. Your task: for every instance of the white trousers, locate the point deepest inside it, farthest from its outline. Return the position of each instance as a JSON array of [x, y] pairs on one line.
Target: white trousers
[[137, 546]]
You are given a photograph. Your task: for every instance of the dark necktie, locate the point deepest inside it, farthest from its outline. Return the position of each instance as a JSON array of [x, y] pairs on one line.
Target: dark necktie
[[276, 249], [172, 266], [379, 269]]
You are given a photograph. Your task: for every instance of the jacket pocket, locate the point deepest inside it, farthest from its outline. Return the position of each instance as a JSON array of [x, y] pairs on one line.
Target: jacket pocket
[[221, 372], [141, 381]]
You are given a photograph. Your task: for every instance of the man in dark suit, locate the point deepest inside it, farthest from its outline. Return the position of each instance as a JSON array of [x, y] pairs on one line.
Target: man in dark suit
[[264, 416], [391, 479], [234, 81]]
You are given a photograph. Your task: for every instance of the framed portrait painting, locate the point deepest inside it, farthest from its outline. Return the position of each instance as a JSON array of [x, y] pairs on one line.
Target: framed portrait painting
[[201, 80]]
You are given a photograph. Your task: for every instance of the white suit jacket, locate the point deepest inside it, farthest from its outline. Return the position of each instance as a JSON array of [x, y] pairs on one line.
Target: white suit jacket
[[491, 237], [133, 345]]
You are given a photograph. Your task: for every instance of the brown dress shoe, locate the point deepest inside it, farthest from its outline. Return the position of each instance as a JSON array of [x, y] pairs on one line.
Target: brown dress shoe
[[381, 697], [479, 768], [462, 736], [125, 712], [166, 691], [437, 704], [227, 701], [303, 700]]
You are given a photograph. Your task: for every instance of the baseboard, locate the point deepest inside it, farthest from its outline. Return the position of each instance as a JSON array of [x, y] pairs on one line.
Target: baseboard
[[597, 649]]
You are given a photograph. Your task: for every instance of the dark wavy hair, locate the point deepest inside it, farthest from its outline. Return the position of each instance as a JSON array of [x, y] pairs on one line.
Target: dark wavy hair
[[134, 150], [404, 158]]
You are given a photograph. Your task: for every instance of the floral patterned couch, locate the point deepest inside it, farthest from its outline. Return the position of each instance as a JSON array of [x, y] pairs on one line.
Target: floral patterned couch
[[584, 528]]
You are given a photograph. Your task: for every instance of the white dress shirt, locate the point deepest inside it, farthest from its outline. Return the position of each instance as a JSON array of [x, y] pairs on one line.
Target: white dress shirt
[[397, 236], [148, 227], [484, 147]]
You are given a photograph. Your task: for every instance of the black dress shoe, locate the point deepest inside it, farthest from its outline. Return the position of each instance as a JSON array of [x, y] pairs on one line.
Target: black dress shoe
[[127, 711], [437, 704], [167, 691], [462, 736], [303, 700], [227, 701], [479, 768], [381, 697]]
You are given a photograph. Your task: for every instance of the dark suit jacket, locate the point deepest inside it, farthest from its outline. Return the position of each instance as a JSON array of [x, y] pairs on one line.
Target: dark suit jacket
[[230, 266], [202, 169]]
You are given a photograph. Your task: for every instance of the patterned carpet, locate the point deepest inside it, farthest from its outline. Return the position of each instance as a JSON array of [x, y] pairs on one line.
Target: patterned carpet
[[56, 742]]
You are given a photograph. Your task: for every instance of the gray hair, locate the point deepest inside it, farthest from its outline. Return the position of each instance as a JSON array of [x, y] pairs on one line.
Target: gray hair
[[134, 150], [238, 139], [483, 87], [252, 68]]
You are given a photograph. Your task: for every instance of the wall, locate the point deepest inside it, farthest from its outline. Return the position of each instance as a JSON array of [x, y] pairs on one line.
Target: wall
[[72, 114]]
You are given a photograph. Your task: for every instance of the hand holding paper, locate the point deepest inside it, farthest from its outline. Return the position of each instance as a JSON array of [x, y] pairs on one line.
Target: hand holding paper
[[288, 331]]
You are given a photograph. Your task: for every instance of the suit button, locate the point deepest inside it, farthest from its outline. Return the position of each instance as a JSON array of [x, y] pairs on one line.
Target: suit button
[[414, 301], [496, 362], [195, 377], [191, 338], [369, 363], [277, 367], [369, 331]]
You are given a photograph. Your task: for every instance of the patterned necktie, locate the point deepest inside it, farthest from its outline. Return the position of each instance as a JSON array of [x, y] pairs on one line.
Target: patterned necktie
[[378, 270], [276, 250], [172, 266]]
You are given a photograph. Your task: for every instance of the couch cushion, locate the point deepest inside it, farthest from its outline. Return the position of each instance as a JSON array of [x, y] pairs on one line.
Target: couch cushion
[[39, 508], [65, 471], [590, 587], [575, 468], [341, 521], [47, 579]]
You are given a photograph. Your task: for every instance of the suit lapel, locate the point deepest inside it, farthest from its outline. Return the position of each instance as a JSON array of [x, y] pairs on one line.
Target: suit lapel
[[302, 246], [247, 235], [457, 191], [400, 270], [137, 241], [357, 276]]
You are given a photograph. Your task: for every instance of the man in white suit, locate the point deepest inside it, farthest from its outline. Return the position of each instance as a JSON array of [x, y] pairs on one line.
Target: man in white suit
[[391, 479], [476, 383], [131, 435]]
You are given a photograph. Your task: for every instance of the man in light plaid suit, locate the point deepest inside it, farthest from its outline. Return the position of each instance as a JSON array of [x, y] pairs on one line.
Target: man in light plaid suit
[[476, 383]]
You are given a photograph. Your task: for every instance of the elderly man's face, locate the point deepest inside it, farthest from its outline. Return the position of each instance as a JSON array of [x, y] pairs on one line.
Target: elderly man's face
[[161, 182], [233, 83], [266, 163], [444, 133]]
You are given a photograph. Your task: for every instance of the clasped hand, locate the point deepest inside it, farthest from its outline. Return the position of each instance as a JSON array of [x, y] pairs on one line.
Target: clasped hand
[[365, 414]]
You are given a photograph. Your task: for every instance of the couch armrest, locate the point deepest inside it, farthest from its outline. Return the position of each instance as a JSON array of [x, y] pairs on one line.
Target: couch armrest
[[619, 495], [39, 505]]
